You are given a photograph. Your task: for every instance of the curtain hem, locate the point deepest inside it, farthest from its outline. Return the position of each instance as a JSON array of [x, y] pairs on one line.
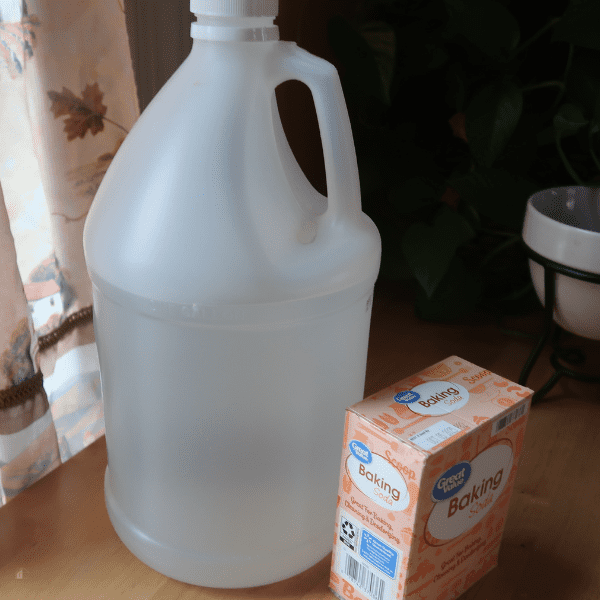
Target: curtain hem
[[78, 318], [20, 393]]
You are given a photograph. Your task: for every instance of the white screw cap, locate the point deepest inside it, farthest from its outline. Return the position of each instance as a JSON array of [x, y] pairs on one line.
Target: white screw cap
[[235, 8]]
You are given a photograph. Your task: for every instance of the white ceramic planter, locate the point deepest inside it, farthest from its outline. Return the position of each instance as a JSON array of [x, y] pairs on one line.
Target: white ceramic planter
[[563, 224]]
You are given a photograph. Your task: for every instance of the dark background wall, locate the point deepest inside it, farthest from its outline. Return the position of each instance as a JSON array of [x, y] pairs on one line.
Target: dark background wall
[[159, 33]]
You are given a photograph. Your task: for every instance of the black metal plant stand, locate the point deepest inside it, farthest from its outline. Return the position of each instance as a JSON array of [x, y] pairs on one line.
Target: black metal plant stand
[[573, 356]]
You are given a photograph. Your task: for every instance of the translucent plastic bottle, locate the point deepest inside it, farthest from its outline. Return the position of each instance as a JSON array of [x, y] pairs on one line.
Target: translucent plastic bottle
[[232, 305]]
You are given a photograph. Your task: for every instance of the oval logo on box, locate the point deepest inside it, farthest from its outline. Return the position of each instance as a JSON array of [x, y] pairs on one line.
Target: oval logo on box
[[438, 398], [380, 481], [460, 512], [361, 452], [406, 397], [451, 482]]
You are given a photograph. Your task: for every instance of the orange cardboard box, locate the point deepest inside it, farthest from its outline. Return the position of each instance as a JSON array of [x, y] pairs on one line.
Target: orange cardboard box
[[428, 468]]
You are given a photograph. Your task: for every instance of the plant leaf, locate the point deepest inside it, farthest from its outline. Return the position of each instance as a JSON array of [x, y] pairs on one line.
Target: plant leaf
[[579, 25], [455, 80], [418, 50], [457, 123], [430, 249], [381, 38], [377, 152], [412, 194], [393, 262], [486, 24], [521, 150], [437, 56], [384, 158], [361, 76], [491, 119], [583, 80], [497, 194], [569, 120], [84, 113], [457, 295]]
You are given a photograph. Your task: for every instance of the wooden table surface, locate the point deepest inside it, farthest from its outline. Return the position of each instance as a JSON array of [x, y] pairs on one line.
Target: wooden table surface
[[57, 543]]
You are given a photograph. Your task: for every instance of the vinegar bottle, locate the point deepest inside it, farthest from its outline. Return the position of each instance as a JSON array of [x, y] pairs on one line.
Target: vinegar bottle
[[232, 305]]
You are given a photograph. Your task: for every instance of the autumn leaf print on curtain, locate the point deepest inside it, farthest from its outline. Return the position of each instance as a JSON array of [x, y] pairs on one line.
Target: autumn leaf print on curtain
[[67, 101], [84, 114]]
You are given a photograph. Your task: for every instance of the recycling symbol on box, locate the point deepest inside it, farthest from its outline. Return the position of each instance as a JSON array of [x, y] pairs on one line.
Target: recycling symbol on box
[[348, 529], [348, 533]]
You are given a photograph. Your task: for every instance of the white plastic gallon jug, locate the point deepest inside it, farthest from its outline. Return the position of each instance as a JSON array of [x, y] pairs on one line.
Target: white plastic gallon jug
[[232, 305]]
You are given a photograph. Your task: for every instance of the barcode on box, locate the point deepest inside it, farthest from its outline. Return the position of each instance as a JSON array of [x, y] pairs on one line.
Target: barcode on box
[[363, 578], [512, 416], [434, 435]]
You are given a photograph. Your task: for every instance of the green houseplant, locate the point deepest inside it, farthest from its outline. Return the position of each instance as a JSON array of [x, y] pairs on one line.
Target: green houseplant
[[457, 121]]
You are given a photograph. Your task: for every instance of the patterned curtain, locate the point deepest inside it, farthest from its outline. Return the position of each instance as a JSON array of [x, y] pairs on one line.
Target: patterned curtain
[[67, 100]]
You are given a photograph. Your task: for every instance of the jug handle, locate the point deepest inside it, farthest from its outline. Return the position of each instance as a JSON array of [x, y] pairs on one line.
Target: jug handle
[[341, 169]]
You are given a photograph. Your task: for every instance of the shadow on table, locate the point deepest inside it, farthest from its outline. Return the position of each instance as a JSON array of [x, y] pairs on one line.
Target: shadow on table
[[526, 572], [312, 584]]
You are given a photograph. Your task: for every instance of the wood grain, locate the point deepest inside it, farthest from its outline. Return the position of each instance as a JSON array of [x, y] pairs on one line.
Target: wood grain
[[58, 536]]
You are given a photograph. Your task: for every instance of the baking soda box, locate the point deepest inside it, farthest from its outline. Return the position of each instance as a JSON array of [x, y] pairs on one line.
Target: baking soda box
[[427, 472]]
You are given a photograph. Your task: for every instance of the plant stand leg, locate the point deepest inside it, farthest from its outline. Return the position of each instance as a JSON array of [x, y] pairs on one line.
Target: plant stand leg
[[547, 386], [570, 355], [549, 298]]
